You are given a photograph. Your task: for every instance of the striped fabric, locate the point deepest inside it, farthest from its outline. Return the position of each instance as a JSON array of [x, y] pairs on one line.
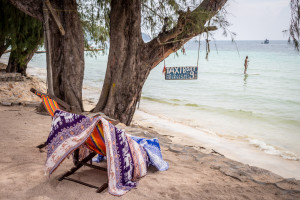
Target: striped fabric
[[50, 105], [96, 141], [38, 94]]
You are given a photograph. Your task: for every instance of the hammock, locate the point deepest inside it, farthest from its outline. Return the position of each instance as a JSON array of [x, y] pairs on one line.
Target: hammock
[[127, 156], [95, 142]]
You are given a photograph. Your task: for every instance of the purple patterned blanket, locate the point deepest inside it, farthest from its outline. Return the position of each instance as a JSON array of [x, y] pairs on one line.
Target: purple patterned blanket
[[126, 159]]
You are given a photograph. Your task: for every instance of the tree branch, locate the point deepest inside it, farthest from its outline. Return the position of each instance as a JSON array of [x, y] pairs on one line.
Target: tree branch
[[189, 25], [30, 7]]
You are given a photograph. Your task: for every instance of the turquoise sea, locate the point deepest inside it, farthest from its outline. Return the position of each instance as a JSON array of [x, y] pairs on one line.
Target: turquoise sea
[[262, 108]]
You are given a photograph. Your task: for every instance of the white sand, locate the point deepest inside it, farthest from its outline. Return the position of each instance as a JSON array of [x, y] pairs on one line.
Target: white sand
[[195, 173], [192, 174]]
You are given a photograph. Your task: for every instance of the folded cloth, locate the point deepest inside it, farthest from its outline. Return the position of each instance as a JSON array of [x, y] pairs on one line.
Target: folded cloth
[[126, 158], [152, 148], [99, 158]]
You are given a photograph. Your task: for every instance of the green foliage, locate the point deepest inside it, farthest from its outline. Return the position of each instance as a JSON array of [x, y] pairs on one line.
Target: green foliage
[[163, 15], [160, 14], [157, 16], [94, 15], [23, 31]]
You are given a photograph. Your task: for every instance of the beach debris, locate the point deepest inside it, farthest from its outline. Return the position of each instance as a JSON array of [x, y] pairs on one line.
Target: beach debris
[[31, 104], [244, 173], [4, 77], [176, 148], [215, 152], [3, 103]]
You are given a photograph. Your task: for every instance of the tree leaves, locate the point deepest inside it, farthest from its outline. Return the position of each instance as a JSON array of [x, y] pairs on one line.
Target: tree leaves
[[22, 31]]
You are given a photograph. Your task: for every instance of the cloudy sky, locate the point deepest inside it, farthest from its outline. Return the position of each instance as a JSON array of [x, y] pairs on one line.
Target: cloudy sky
[[258, 19]]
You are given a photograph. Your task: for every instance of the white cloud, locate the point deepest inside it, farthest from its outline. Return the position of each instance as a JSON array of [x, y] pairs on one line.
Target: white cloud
[[258, 19]]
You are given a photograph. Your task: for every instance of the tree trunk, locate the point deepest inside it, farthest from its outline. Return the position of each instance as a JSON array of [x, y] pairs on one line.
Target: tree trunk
[[67, 53], [130, 60], [17, 62], [3, 49], [12, 62], [3, 46], [126, 70]]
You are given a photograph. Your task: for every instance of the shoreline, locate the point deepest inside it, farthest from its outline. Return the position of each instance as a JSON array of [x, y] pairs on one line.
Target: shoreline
[[196, 172], [232, 149], [178, 132]]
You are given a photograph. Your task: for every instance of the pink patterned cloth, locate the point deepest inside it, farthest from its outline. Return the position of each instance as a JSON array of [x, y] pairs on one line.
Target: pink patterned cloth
[[126, 159]]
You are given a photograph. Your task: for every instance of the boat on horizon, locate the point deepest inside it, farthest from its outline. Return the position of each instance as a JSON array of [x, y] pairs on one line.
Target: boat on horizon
[[266, 41]]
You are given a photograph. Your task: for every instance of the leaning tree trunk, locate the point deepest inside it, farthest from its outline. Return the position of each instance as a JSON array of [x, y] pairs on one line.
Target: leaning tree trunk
[[67, 54], [126, 71], [3, 46], [18, 61], [3, 49], [12, 62]]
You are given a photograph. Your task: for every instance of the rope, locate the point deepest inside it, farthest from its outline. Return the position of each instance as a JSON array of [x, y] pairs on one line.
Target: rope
[[198, 50]]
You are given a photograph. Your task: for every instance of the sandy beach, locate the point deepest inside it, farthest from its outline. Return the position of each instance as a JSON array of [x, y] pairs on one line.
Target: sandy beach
[[195, 172]]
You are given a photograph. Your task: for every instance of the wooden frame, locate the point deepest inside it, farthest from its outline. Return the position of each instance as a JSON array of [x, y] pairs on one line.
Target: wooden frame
[[78, 165]]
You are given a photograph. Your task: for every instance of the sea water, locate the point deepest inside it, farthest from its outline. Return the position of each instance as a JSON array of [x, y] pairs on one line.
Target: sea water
[[260, 109]]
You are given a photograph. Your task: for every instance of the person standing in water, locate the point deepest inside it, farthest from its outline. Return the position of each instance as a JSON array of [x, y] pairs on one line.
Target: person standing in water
[[246, 64]]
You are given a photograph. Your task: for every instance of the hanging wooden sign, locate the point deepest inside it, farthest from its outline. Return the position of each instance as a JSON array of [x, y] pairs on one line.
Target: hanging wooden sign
[[181, 73]]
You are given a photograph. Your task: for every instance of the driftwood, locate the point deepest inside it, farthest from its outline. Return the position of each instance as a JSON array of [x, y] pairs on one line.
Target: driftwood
[[215, 152]]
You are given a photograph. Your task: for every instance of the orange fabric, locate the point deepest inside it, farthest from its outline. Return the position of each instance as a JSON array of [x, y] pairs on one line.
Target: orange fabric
[[96, 141], [50, 105]]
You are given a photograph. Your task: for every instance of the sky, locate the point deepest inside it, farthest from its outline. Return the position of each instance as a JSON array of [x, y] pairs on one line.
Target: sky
[[257, 19]]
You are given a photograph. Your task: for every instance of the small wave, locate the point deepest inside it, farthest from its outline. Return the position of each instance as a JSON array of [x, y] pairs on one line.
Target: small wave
[[272, 150], [159, 100], [176, 100], [236, 113], [230, 73], [233, 112], [245, 112], [191, 105]]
